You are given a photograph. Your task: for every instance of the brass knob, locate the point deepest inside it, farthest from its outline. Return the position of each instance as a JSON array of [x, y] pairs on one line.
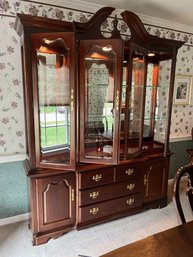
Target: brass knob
[[130, 186], [97, 177], [130, 201], [129, 171], [94, 195], [94, 210]]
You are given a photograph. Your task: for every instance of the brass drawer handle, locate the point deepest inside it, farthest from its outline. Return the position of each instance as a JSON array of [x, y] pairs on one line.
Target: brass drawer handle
[[72, 100], [129, 171], [117, 100], [72, 195], [130, 201], [145, 180], [94, 195], [130, 187], [94, 210], [97, 177]]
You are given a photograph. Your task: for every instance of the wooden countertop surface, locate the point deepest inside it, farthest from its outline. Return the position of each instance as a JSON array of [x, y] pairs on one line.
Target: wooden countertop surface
[[175, 242]]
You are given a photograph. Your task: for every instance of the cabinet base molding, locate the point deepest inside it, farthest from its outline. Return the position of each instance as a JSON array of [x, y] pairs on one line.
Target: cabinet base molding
[[42, 238], [158, 204]]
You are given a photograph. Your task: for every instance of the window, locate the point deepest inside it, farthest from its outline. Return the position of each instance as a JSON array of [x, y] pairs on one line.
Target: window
[[55, 127]]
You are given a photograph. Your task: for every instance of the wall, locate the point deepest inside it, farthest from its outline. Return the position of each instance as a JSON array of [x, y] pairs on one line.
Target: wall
[[13, 183], [14, 193], [180, 156]]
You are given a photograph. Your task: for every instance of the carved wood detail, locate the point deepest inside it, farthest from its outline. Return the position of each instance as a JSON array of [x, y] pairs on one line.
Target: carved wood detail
[[54, 195]]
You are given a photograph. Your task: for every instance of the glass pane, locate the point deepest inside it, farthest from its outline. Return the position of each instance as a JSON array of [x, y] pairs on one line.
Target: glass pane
[[156, 107], [162, 101], [99, 97], [54, 107], [136, 105], [151, 87]]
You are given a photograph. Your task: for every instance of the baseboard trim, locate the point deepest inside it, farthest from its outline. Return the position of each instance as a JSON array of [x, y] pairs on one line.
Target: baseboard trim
[[170, 181], [180, 138], [13, 158], [14, 219]]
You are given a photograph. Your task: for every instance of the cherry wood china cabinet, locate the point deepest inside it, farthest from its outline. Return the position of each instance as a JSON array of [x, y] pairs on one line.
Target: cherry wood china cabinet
[[98, 108]]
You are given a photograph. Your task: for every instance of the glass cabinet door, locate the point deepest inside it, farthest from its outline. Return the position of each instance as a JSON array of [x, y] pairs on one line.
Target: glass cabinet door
[[133, 106], [145, 103], [156, 105], [150, 100], [136, 105], [54, 92], [100, 96]]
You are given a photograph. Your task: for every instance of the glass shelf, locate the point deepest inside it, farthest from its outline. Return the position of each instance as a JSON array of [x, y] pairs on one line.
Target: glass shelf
[[156, 118], [98, 85]]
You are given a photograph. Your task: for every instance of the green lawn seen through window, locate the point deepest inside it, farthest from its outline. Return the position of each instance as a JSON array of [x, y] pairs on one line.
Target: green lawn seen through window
[[52, 136]]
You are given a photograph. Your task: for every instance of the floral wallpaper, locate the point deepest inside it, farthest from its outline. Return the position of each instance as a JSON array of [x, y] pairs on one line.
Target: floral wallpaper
[[12, 125], [182, 115], [12, 130]]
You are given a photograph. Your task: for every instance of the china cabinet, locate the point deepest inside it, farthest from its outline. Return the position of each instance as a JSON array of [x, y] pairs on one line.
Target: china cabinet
[[98, 108]]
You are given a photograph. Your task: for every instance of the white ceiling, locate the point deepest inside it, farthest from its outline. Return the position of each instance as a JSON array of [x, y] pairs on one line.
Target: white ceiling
[[179, 11]]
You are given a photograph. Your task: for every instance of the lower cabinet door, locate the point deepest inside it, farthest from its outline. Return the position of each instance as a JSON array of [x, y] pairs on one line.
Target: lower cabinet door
[[156, 180], [104, 209], [55, 202]]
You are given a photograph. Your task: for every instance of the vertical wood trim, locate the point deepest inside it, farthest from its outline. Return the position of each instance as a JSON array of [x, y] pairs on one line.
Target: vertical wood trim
[[170, 100]]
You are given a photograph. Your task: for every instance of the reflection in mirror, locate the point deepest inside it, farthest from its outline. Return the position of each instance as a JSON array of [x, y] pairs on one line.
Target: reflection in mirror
[[99, 102], [54, 104]]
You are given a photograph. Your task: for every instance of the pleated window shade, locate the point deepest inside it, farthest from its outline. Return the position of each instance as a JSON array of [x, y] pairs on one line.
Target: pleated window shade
[[53, 79]]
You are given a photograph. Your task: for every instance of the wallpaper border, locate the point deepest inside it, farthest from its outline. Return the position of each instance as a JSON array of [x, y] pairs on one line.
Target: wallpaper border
[[90, 8], [81, 7]]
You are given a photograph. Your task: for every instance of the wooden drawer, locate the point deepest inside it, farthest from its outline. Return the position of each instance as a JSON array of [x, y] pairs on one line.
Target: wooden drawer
[[129, 172], [96, 211], [94, 178], [115, 190]]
